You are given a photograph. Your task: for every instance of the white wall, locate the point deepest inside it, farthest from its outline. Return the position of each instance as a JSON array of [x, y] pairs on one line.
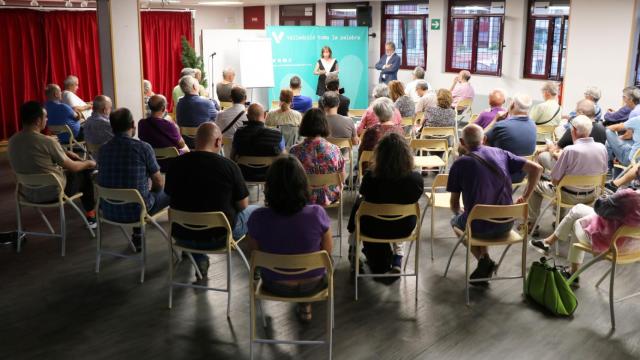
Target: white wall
[[215, 17]]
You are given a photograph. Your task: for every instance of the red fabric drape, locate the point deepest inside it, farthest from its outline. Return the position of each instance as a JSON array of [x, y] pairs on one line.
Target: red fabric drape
[[73, 49], [22, 65], [162, 49]]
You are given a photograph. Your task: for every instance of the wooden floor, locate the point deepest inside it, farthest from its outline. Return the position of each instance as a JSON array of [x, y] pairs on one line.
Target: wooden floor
[[58, 308]]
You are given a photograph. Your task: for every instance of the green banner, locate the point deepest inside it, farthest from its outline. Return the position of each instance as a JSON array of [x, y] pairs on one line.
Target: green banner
[[296, 50]]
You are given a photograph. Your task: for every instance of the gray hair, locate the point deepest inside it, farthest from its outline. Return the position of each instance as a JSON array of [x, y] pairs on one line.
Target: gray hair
[[392, 44], [587, 108], [330, 99], [550, 87], [227, 72], [383, 108], [422, 85], [380, 91], [594, 93], [187, 71], [418, 72], [51, 91], [522, 103], [188, 84], [472, 135], [70, 81], [146, 85], [331, 77], [633, 94], [100, 102], [583, 126]]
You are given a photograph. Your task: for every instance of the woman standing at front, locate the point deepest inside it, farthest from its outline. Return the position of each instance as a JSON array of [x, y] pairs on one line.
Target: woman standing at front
[[325, 65]]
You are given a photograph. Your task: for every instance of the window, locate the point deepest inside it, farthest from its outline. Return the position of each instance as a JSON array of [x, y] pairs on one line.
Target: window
[[405, 24], [298, 15], [343, 14], [636, 79], [546, 49], [474, 36]]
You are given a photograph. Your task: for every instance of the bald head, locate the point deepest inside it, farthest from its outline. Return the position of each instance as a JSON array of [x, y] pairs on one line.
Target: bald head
[[472, 136], [496, 98], [53, 92], [208, 138], [465, 75], [255, 112], [102, 104], [157, 105]]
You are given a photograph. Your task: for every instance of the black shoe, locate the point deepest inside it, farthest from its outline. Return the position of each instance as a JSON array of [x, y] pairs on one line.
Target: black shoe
[[540, 246], [485, 269], [136, 239], [609, 185], [576, 283], [203, 266]]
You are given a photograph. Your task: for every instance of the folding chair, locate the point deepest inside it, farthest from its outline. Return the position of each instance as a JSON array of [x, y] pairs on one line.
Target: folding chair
[[189, 133], [634, 160], [463, 108], [345, 143], [546, 132], [430, 161], [615, 257], [387, 212], [256, 162], [588, 181], [429, 132], [225, 104], [227, 143], [365, 157], [201, 221], [320, 181], [166, 153], [290, 265], [356, 113], [473, 118], [499, 214], [73, 143], [124, 197], [41, 181]]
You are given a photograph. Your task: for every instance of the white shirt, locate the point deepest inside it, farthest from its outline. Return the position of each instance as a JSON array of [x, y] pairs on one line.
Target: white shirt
[[74, 100], [411, 90], [327, 64]]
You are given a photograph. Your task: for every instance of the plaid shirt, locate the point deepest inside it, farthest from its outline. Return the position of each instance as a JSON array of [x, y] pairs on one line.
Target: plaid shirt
[[126, 163]]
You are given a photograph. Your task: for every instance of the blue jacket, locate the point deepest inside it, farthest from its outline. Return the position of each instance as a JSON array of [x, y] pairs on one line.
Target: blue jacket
[[193, 110], [391, 73]]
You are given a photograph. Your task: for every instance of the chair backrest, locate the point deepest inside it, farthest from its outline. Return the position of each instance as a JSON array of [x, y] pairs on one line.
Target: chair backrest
[[438, 131], [581, 181], [188, 131], [623, 232], [166, 153], [225, 104], [464, 104], [429, 144], [529, 157], [256, 161], [291, 264], [321, 180], [419, 115], [407, 121], [545, 129], [439, 182], [342, 143], [635, 157], [120, 197], [227, 141], [473, 118], [356, 112], [64, 129], [389, 212], [39, 181], [498, 214], [200, 221]]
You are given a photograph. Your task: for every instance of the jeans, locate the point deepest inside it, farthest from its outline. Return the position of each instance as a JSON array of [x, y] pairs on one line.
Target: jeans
[[618, 148], [239, 230], [160, 201]]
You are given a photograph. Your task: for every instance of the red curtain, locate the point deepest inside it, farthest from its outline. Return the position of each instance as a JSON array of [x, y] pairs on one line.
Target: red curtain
[[162, 49], [22, 65]]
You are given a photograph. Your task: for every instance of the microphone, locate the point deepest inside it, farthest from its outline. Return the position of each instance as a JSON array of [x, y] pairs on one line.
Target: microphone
[[213, 54]]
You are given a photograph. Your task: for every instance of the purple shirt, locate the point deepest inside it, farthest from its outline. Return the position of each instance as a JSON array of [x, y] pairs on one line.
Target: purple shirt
[[479, 185], [584, 157], [300, 233], [159, 133], [486, 117]]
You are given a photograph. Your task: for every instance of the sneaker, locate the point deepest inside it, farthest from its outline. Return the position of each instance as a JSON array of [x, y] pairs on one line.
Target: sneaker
[[396, 265], [567, 275], [485, 269], [136, 239], [609, 185], [93, 223], [203, 266], [540, 246]]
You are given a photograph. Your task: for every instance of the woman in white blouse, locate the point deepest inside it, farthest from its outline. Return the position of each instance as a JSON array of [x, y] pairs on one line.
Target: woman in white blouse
[[325, 65]]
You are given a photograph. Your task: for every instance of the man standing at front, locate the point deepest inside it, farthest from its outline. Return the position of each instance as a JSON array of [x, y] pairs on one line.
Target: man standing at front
[[389, 64]]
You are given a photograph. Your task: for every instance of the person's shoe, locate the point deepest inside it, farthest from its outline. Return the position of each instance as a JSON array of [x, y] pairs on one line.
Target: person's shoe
[[203, 266], [540, 246], [91, 219], [136, 239], [567, 275], [609, 185], [396, 265], [485, 269]]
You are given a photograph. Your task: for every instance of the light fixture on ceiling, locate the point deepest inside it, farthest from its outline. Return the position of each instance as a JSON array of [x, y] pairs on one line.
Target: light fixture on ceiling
[[34, 3], [68, 4], [220, 3], [84, 4]]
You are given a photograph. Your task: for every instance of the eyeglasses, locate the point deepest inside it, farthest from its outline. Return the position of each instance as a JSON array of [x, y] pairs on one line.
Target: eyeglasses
[[571, 123]]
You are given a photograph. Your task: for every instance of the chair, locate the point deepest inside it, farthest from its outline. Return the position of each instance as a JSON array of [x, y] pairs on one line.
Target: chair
[[200, 222], [365, 157], [166, 153], [345, 143], [387, 212], [189, 133], [227, 143], [73, 143], [634, 160], [407, 125], [546, 131], [290, 134], [93, 149], [570, 180], [616, 258], [440, 133], [499, 214], [517, 185], [463, 108], [290, 265], [356, 113], [473, 118], [256, 162], [122, 197], [40, 181], [319, 181], [225, 104], [430, 161]]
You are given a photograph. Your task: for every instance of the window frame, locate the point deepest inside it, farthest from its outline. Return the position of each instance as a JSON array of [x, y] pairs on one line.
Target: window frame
[[528, 53], [425, 19], [636, 74], [474, 41], [345, 19], [297, 19]]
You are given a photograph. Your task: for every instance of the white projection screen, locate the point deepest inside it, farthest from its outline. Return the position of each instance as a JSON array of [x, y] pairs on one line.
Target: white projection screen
[[256, 64]]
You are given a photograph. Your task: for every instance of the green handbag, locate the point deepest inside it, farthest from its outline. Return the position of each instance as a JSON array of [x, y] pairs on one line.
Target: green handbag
[[546, 286]]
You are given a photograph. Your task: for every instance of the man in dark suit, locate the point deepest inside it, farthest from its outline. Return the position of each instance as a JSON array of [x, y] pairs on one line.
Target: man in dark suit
[[389, 64]]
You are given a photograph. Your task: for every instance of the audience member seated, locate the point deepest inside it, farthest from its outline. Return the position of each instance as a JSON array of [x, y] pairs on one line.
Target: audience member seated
[[128, 163], [418, 76], [441, 115], [516, 134], [426, 98], [223, 88], [384, 111], [147, 92], [630, 98], [333, 84], [549, 111], [205, 181], [231, 119], [318, 156], [97, 128], [284, 115], [548, 157], [255, 139], [623, 147], [369, 118], [496, 103], [461, 89], [584, 157], [159, 132], [202, 91], [300, 102], [483, 176], [69, 97], [339, 126], [290, 225], [592, 94], [62, 114], [177, 92], [631, 178], [31, 152], [402, 102], [596, 227], [390, 180], [192, 109]]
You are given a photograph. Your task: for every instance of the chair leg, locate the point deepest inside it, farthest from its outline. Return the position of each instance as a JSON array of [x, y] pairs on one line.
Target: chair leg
[[83, 217], [19, 222], [330, 326], [340, 230], [466, 274], [502, 258], [143, 253], [194, 264], [170, 276], [46, 221], [604, 276], [252, 323], [98, 245], [416, 270], [244, 259], [404, 269], [228, 282], [446, 270], [357, 254], [433, 210], [611, 298], [63, 230]]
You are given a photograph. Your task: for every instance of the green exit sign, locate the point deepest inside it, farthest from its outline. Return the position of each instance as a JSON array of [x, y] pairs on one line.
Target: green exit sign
[[435, 24]]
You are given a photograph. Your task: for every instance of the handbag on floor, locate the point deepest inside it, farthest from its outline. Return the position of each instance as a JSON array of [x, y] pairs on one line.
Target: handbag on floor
[[547, 287]]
